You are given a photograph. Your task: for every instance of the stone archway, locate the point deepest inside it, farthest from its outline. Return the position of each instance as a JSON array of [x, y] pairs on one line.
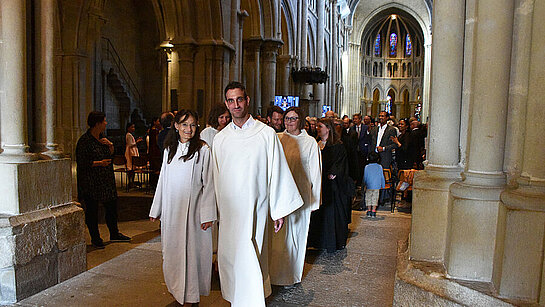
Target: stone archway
[[375, 108]]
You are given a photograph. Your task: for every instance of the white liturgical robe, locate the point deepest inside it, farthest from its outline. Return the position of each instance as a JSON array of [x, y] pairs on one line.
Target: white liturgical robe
[[252, 181], [185, 199], [290, 243]]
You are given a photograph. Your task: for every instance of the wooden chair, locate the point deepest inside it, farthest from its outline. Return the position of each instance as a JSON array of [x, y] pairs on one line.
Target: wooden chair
[[404, 176], [389, 186], [140, 165], [120, 166]]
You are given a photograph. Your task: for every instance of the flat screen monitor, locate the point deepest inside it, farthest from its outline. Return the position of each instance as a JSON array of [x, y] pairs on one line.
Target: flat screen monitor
[[325, 108], [284, 102]]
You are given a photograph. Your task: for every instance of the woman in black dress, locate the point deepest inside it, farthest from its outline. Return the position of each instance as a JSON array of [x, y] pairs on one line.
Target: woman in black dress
[[96, 179], [329, 224]]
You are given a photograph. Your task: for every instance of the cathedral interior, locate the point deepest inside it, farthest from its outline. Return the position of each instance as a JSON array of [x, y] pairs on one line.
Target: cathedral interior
[[471, 70]]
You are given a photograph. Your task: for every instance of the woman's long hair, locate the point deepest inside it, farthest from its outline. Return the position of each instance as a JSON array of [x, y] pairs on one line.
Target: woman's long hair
[[172, 139], [334, 137]]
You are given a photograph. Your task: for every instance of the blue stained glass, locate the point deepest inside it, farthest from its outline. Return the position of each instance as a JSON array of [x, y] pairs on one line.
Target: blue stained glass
[[393, 44], [377, 45], [388, 107], [408, 45]]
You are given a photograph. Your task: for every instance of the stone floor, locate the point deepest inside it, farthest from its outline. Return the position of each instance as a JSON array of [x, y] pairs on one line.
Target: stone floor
[[130, 274]]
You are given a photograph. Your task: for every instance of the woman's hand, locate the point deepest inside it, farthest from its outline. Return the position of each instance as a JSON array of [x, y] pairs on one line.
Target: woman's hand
[[331, 176], [153, 219], [206, 225]]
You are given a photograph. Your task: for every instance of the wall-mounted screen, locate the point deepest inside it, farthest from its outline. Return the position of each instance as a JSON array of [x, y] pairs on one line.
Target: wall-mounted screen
[[325, 108], [285, 102]]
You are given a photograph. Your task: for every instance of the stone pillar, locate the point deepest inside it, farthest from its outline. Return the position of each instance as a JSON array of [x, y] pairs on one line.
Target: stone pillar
[[426, 81], [524, 199], [399, 106], [334, 60], [283, 74], [41, 229], [431, 187], [252, 73], [320, 49], [173, 79], [13, 110], [186, 98], [477, 220], [269, 51], [46, 141]]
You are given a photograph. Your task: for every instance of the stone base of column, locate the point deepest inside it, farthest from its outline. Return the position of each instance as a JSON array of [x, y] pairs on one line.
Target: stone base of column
[[423, 284], [522, 273], [430, 212], [40, 249], [477, 231], [29, 186]]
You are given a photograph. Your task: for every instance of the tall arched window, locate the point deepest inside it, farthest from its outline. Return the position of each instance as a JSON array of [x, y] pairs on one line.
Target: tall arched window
[[393, 44], [377, 45], [408, 45]]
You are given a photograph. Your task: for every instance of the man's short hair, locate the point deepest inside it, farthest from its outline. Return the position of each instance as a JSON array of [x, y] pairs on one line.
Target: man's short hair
[[233, 85], [272, 109], [166, 119], [357, 114], [94, 118]]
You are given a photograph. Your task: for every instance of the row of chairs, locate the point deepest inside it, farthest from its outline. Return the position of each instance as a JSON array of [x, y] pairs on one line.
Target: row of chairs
[[140, 169]]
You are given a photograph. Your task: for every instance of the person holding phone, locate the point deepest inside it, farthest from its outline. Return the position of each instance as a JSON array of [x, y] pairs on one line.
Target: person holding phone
[[96, 179]]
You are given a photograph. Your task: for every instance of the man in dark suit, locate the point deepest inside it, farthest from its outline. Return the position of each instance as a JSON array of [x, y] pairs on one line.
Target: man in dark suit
[[381, 140], [361, 132]]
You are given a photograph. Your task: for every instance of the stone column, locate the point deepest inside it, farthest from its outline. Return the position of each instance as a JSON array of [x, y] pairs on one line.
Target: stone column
[[399, 105], [431, 187], [320, 49], [252, 73], [45, 81], [477, 220], [524, 199], [334, 61], [269, 51], [13, 110], [283, 74], [173, 78], [41, 229], [186, 58]]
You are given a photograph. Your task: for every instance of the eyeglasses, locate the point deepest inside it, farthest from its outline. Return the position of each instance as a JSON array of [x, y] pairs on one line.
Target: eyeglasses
[[185, 125], [291, 119], [239, 99]]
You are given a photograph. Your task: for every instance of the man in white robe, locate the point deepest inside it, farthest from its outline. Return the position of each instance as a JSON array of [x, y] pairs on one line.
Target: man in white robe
[[252, 181]]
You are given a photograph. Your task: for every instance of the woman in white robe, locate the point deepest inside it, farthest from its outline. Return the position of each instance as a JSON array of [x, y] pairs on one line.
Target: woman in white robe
[[217, 120], [289, 244], [185, 203]]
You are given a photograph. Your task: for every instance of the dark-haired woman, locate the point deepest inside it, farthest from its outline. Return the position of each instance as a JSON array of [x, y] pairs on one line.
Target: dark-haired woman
[[96, 179], [185, 203], [329, 224], [218, 119]]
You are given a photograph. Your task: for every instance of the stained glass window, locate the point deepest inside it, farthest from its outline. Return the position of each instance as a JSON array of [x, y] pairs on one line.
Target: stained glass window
[[393, 44], [388, 107], [408, 45], [377, 45]]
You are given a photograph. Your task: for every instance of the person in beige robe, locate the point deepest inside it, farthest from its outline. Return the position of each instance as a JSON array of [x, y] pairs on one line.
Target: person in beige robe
[[185, 203], [287, 254]]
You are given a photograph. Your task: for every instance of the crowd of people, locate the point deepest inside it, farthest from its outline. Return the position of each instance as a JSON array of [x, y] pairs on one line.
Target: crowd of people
[[258, 191]]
